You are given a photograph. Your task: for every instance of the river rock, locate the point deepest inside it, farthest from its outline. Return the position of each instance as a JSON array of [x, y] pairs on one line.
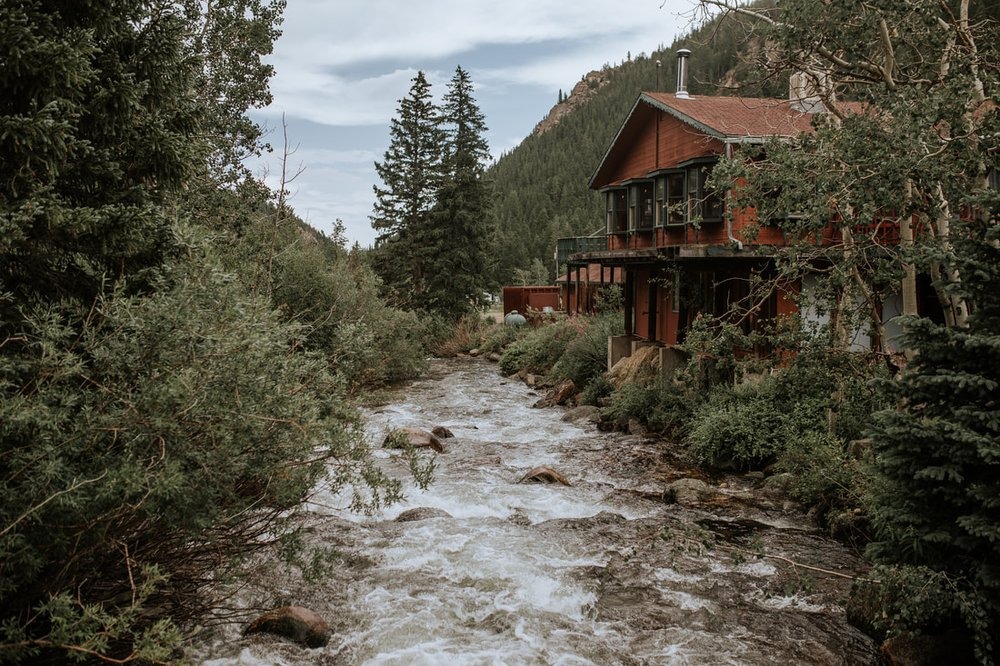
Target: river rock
[[421, 513], [493, 356], [636, 428], [473, 352], [689, 491], [583, 413], [299, 624], [543, 474], [415, 436], [777, 484], [441, 432], [559, 395]]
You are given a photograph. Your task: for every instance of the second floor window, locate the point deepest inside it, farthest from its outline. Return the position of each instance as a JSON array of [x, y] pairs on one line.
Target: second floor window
[[644, 205], [705, 204], [617, 210]]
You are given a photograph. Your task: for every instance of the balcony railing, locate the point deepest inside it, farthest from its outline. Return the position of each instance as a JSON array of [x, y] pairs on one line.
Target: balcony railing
[[577, 244]]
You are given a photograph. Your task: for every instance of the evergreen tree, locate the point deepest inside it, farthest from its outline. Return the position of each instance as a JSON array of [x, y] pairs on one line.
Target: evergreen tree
[[99, 125], [411, 174], [141, 465], [459, 253], [938, 505]]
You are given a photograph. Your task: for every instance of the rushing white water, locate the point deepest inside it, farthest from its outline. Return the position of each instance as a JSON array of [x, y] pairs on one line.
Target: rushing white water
[[513, 574]]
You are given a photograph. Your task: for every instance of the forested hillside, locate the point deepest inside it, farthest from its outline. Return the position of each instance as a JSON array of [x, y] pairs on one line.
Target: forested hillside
[[541, 185]]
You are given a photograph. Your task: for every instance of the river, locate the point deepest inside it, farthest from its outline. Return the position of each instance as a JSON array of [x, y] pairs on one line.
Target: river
[[607, 570]]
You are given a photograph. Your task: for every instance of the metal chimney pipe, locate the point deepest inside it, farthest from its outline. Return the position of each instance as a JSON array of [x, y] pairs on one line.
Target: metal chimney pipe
[[682, 74]]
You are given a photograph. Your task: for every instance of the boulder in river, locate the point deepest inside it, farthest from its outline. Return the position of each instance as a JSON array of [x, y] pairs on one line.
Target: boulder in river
[[421, 513], [583, 413], [416, 437], [299, 624], [689, 491], [441, 432], [543, 474], [559, 395]]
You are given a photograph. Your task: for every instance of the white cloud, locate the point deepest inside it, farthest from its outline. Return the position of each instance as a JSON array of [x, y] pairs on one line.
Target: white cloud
[[347, 63], [323, 41]]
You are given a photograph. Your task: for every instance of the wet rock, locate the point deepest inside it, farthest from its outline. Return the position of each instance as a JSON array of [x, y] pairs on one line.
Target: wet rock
[[543, 474], [788, 506], [421, 513], [441, 432], [519, 517], [950, 648], [583, 413], [690, 491], [636, 428], [754, 476], [777, 484], [299, 624], [416, 437], [559, 395]]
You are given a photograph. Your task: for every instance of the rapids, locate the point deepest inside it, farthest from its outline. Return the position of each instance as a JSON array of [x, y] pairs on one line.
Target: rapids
[[604, 571]]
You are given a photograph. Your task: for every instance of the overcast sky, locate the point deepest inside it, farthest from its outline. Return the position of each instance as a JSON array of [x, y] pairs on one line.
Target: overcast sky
[[343, 65]]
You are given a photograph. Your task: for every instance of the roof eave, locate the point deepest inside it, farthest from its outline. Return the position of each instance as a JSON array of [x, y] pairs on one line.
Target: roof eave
[[614, 141], [683, 117]]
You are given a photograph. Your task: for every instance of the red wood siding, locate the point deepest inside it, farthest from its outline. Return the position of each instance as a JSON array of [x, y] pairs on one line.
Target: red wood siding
[[678, 143]]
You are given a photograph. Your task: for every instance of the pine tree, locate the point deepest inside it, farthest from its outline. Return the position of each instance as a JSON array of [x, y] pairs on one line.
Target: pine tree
[[98, 127], [462, 231], [411, 173], [938, 506]]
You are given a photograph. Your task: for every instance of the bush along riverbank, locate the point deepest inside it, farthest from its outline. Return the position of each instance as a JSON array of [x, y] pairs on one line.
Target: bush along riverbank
[[808, 425]]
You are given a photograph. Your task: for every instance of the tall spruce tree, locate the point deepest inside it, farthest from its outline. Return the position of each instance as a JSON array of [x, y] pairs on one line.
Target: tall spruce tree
[[461, 222], [938, 456], [411, 174], [99, 125]]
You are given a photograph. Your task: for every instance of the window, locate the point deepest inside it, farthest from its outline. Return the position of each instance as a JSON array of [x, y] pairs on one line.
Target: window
[[632, 202], [674, 213], [704, 203], [617, 210], [645, 204]]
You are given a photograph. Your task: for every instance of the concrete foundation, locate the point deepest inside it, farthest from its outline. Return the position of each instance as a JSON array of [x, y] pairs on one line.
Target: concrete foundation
[[619, 347], [672, 359], [639, 344]]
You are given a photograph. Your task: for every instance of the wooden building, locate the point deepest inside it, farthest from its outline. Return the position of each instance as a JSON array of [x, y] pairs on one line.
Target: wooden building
[[682, 255]]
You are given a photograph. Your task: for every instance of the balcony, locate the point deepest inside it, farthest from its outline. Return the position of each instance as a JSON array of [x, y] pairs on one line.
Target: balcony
[[565, 247]]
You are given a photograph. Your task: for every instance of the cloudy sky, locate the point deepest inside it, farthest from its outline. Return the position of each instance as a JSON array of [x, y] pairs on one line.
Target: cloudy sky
[[343, 65]]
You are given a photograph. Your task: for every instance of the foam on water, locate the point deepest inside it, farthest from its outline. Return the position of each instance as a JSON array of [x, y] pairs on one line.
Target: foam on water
[[489, 585]]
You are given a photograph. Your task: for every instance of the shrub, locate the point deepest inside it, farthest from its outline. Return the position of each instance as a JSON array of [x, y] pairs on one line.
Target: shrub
[[366, 342], [540, 348], [498, 337], [148, 446], [741, 427], [664, 405], [824, 476], [586, 356]]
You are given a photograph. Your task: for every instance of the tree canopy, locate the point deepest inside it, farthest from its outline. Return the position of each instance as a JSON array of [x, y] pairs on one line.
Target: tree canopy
[[433, 210]]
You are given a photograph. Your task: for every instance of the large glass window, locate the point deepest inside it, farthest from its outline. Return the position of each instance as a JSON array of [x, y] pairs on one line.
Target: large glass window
[[674, 212], [704, 203], [645, 204], [617, 210]]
